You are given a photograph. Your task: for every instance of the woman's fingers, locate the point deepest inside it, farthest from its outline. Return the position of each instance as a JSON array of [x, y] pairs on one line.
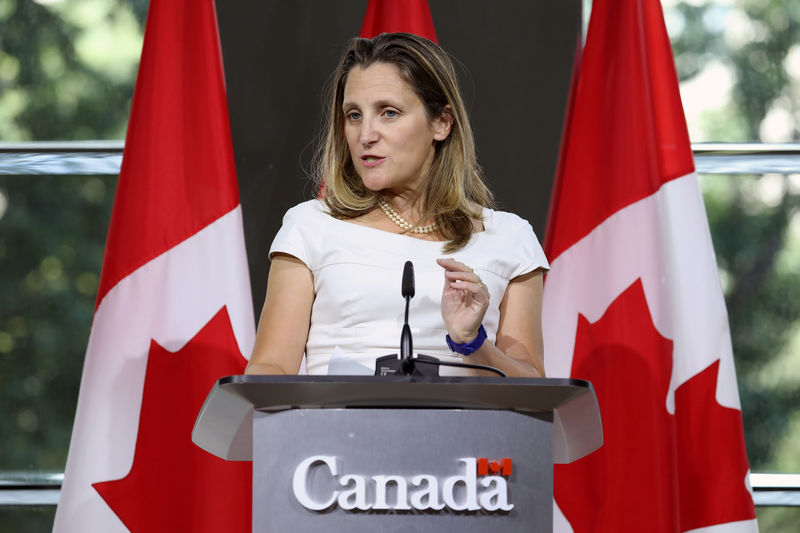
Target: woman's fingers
[[457, 271], [461, 276], [471, 287], [453, 265], [465, 278]]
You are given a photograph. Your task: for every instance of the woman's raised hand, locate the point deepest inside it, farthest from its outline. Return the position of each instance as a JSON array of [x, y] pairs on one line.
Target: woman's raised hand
[[465, 299]]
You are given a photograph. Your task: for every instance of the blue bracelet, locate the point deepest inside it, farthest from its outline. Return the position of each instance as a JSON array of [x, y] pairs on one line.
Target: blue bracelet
[[469, 347]]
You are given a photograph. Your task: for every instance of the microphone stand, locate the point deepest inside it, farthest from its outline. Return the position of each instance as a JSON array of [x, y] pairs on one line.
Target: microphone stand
[[407, 365]]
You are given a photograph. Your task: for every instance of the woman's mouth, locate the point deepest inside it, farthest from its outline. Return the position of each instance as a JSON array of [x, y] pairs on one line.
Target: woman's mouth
[[370, 161]]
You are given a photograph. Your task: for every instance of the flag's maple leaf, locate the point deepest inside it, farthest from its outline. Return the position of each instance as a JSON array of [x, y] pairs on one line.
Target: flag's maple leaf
[[656, 472], [173, 485]]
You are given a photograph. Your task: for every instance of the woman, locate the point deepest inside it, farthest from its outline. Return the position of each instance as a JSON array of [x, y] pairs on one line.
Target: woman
[[401, 182]]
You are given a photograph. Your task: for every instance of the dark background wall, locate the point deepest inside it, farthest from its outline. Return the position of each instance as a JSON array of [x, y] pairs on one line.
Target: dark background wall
[[514, 59]]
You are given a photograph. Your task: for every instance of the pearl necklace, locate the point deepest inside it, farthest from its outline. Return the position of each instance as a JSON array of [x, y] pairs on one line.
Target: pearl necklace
[[395, 217]]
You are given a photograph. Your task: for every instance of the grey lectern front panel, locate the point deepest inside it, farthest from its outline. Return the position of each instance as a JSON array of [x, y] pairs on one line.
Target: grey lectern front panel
[[402, 470], [400, 453]]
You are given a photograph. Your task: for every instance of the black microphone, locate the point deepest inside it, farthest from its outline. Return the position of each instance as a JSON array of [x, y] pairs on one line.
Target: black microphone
[[406, 363], [406, 344], [408, 282]]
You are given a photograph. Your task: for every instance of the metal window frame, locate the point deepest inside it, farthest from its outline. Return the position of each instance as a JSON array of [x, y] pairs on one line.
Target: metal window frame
[[61, 158], [42, 489], [105, 157], [747, 158]]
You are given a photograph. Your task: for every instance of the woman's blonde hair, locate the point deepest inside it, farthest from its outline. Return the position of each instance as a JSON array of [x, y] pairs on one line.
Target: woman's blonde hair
[[454, 184]]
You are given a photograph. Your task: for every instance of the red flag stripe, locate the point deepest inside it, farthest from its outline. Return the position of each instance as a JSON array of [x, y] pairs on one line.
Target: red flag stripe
[[178, 172], [645, 141], [407, 16]]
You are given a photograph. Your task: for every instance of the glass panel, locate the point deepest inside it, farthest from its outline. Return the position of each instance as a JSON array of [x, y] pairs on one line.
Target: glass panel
[[67, 67], [778, 518], [755, 225], [52, 234], [739, 65], [739, 62], [27, 519]]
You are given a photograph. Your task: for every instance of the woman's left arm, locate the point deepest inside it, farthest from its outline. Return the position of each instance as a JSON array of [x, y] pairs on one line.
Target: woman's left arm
[[519, 335], [518, 350]]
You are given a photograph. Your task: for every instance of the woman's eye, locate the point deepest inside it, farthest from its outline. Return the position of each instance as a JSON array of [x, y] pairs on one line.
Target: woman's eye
[[353, 116], [390, 113]]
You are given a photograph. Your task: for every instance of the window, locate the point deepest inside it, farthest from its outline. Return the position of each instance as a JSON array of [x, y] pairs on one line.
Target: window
[[67, 69]]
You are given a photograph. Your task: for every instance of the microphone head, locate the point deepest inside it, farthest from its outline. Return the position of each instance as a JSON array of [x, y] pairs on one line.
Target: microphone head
[[408, 280]]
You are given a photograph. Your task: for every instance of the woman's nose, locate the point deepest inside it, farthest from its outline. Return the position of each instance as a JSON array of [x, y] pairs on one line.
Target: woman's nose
[[369, 133]]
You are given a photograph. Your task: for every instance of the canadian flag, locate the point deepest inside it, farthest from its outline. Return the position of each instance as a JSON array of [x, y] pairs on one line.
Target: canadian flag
[[407, 16], [633, 302], [174, 309]]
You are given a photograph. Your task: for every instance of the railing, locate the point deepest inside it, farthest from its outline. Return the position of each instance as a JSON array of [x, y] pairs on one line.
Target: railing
[[61, 158], [105, 157], [30, 489], [776, 490], [42, 489], [36, 489], [747, 158]]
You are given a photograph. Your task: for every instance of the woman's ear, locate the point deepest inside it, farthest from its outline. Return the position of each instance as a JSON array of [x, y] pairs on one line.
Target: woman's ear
[[443, 124]]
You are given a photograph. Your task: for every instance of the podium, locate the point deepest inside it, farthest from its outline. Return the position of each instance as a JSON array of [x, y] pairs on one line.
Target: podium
[[400, 453]]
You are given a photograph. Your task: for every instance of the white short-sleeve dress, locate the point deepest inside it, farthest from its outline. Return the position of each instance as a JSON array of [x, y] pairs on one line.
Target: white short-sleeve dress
[[358, 309]]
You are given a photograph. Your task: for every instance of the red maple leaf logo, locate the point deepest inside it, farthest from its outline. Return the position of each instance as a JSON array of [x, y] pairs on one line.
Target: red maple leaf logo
[[173, 485], [656, 472]]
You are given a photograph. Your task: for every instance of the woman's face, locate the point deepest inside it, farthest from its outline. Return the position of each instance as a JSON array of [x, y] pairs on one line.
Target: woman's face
[[391, 139]]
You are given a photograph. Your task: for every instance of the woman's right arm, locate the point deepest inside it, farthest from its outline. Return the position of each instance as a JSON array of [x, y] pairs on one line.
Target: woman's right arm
[[285, 319]]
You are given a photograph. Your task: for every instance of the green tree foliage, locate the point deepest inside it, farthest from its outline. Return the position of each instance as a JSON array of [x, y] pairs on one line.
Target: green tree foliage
[[763, 304], [759, 64], [751, 220], [57, 82], [51, 247], [50, 89]]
